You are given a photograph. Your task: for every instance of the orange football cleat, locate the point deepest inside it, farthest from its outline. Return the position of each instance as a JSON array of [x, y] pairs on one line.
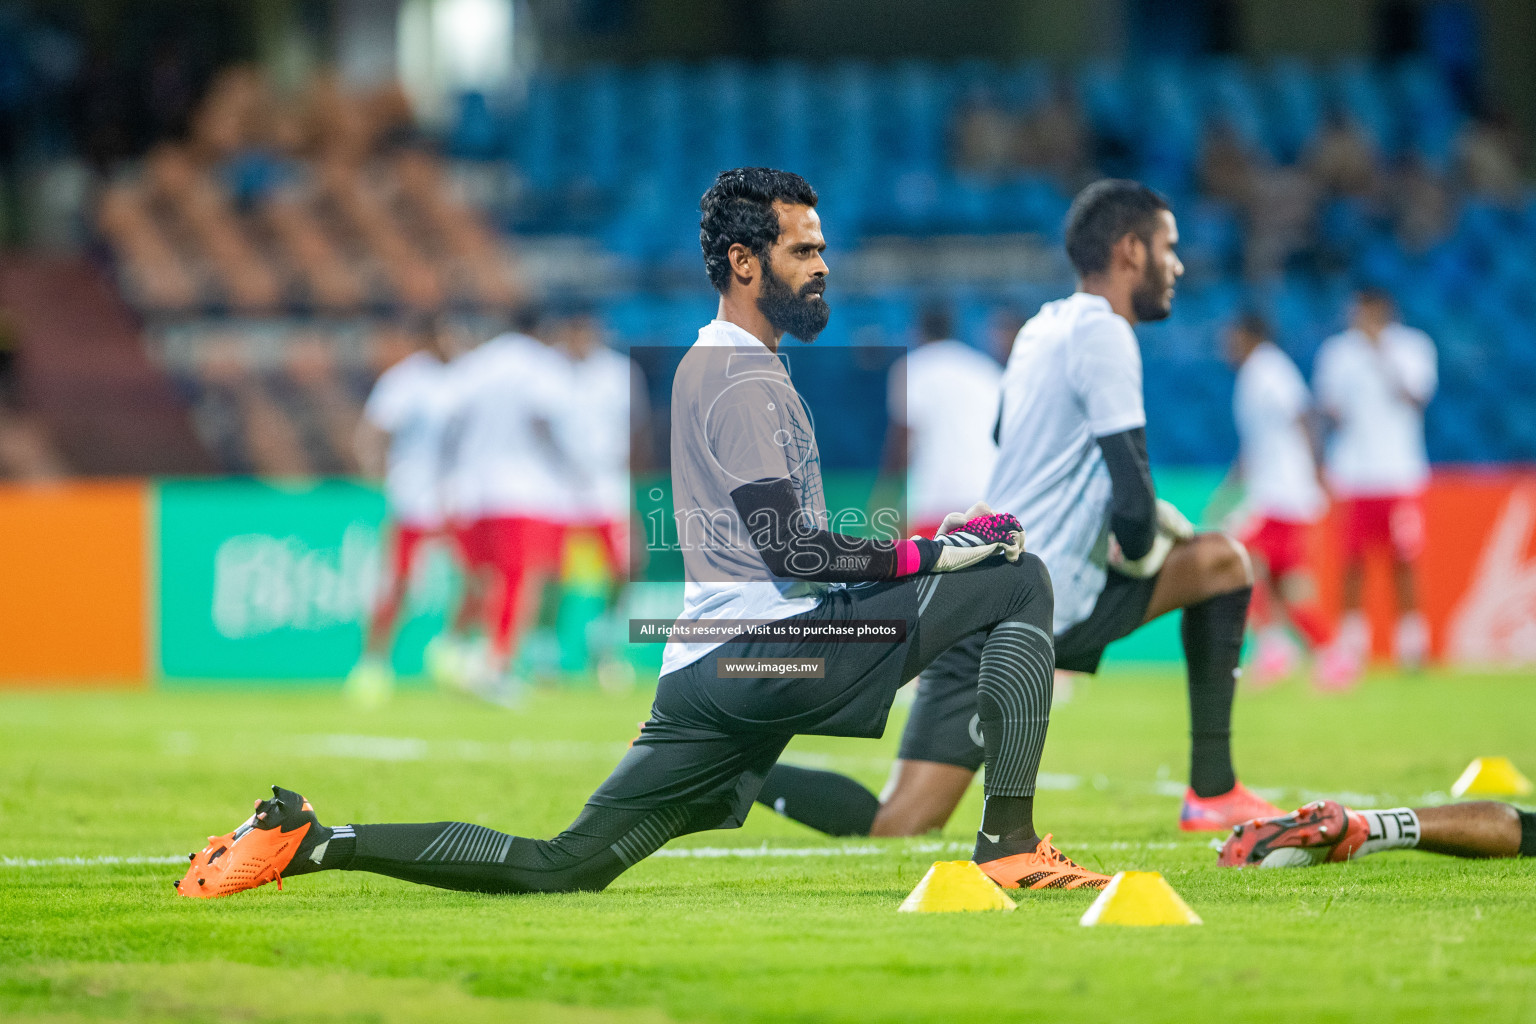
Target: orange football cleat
[[255, 853], [1323, 830], [1045, 868], [1219, 813]]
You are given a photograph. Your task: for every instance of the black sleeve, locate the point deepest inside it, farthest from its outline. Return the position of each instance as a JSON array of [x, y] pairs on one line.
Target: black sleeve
[[1133, 502], [793, 545]]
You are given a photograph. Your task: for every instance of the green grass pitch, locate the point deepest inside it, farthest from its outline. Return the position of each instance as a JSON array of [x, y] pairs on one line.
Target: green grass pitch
[[802, 929]]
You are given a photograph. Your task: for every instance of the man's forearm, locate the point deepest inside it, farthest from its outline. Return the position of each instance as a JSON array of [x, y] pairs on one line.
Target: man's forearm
[[792, 547]]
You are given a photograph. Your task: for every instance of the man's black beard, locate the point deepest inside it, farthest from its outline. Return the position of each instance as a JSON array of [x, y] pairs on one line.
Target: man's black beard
[[803, 314], [1148, 302]]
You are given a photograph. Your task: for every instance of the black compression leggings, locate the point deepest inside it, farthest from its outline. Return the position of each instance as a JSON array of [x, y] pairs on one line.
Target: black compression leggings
[[596, 849]]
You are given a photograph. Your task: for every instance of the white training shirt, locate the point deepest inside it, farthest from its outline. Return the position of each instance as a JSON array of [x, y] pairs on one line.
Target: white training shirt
[[1269, 403], [948, 405], [594, 433], [736, 419], [410, 403], [1377, 449], [500, 466], [1074, 376]]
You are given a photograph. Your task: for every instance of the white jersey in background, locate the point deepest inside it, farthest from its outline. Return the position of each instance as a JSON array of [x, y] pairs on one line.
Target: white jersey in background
[[1269, 405], [736, 419], [411, 403], [1074, 376], [948, 405], [500, 466], [1377, 449], [594, 432]]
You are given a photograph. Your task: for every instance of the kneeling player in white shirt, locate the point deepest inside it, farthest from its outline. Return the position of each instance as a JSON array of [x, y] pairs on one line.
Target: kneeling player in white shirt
[[1282, 500], [400, 440], [1072, 466], [1373, 382]]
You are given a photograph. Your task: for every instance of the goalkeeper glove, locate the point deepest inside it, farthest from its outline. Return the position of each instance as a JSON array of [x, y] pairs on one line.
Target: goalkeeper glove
[[1172, 528], [1173, 522], [963, 540]]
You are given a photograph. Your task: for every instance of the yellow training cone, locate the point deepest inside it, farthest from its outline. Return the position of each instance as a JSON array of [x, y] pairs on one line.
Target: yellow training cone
[[1491, 776], [1139, 897], [952, 885]]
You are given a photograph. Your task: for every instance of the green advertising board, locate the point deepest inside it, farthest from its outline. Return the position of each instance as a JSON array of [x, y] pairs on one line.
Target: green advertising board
[[260, 580]]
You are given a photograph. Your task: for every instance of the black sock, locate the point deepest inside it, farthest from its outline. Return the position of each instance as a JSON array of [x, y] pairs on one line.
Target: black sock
[[1527, 833], [324, 849], [825, 801], [1213, 645], [1007, 828]]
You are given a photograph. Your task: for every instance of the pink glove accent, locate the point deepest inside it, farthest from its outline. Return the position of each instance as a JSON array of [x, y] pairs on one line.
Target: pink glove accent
[[908, 558], [997, 528]]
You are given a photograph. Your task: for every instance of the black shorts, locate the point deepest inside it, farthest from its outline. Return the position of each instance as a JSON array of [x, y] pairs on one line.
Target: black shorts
[[943, 725], [1119, 611], [710, 741]]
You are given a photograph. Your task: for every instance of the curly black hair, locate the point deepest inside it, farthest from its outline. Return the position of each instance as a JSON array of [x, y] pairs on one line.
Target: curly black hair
[[1105, 212], [739, 208]]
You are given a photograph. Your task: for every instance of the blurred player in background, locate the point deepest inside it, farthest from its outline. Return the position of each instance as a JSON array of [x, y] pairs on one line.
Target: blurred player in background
[[449, 656], [1373, 382], [508, 484], [601, 423], [400, 441], [1282, 499], [1072, 464], [1325, 831], [942, 402]]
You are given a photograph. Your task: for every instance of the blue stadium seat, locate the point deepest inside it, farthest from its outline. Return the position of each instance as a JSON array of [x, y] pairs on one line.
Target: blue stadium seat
[[1210, 242], [1294, 100], [1230, 96], [721, 117], [475, 134], [1170, 134], [785, 103], [916, 117], [597, 145], [1024, 85], [1429, 114], [1451, 430], [1359, 93], [533, 142], [1106, 99]]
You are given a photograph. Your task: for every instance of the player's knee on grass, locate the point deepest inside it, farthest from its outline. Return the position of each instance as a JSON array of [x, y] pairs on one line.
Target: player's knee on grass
[[921, 798]]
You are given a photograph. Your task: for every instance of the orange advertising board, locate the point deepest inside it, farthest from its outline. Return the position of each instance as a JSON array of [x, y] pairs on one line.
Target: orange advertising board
[[1477, 576], [73, 593]]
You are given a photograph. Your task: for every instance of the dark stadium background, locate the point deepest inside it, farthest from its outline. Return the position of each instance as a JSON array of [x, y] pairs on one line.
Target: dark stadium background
[[214, 215]]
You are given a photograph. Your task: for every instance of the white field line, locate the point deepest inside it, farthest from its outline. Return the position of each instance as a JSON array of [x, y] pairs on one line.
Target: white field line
[[84, 862], [347, 746], [405, 748], [685, 852]]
